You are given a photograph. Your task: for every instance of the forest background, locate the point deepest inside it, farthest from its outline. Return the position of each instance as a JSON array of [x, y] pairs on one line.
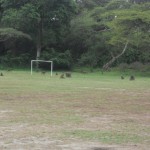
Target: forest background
[[93, 33]]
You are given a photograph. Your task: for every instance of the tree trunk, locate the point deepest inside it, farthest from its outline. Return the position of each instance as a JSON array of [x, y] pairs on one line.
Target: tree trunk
[[114, 58], [39, 41]]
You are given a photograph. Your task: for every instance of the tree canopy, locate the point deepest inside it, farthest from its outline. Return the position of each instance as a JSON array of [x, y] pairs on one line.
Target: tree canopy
[[105, 29], [87, 32]]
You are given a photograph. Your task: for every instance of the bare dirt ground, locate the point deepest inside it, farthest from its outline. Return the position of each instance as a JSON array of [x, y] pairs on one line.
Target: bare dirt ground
[[46, 143], [32, 134]]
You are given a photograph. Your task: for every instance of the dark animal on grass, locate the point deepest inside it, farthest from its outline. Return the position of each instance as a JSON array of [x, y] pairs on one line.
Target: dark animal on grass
[[62, 76], [1, 74], [132, 78], [68, 74], [122, 77], [43, 72], [56, 74], [84, 72], [9, 69]]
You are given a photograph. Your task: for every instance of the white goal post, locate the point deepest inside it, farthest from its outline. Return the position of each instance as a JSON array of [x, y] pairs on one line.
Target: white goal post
[[42, 61]]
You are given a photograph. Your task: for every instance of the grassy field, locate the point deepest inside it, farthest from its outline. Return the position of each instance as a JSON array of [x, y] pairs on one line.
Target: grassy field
[[86, 112]]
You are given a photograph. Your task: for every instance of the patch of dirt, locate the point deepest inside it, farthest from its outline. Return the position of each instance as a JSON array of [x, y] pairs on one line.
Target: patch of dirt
[[49, 144], [4, 113], [118, 109], [31, 96]]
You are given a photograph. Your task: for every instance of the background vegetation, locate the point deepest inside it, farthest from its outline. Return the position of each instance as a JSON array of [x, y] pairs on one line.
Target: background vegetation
[[75, 32]]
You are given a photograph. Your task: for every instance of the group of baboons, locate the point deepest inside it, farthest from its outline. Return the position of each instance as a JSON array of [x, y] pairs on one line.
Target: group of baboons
[[63, 75], [131, 78], [68, 75]]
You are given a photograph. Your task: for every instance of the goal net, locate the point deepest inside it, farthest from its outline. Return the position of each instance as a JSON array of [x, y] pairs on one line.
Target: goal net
[[51, 62]]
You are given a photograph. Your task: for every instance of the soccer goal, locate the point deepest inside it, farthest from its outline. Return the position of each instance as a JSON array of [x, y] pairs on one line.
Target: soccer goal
[[32, 61]]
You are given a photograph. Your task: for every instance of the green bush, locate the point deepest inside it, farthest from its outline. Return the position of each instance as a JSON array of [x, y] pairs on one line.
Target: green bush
[[9, 60], [60, 60], [123, 67], [136, 66]]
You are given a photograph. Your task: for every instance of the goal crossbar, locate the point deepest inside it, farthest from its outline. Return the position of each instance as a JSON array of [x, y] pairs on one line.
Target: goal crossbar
[[42, 61]]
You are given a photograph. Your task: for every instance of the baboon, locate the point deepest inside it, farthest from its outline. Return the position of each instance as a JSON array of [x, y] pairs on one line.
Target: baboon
[[84, 72], [62, 76], [68, 74], [43, 72], [122, 77], [1, 74], [132, 78], [9, 69]]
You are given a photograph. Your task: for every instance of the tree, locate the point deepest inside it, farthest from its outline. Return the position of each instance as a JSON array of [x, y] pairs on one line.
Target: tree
[[118, 28], [36, 17], [12, 34], [114, 58], [130, 25]]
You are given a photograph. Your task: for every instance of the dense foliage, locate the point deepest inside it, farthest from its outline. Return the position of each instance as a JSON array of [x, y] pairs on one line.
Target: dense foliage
[[74, 32]]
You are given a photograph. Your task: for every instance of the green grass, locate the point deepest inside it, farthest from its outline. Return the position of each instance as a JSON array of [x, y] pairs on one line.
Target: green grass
[[91, 107], [107, 136]]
